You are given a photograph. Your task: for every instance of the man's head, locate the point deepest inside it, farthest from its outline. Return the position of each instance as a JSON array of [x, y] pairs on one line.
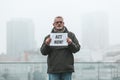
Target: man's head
[[58, 23]]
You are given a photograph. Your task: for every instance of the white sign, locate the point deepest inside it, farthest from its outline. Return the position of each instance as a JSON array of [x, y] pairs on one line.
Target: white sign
[[58, 39]]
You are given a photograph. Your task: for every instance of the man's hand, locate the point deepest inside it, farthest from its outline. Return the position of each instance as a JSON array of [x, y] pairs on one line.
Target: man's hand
[[69, 40], [47, 41]]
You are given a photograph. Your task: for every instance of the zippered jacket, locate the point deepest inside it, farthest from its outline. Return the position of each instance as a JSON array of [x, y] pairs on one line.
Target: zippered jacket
[[60, 58]]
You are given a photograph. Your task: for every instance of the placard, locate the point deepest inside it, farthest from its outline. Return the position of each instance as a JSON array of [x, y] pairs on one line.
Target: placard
[[58, 39]]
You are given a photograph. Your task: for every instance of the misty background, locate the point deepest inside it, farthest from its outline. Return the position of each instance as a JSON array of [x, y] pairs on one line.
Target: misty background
[[25, 23], [95, 22]]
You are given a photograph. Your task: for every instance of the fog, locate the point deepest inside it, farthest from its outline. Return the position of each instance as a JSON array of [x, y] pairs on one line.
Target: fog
[[76, 14]]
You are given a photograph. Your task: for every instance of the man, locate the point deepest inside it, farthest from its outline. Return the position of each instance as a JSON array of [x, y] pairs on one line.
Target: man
[[60, 58]]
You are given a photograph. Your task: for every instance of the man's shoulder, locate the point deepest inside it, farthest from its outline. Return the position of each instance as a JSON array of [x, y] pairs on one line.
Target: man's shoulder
[[71, 33], [47, 36]]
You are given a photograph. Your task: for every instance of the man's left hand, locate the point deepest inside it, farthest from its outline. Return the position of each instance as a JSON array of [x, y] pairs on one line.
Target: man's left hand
[[69, 40]]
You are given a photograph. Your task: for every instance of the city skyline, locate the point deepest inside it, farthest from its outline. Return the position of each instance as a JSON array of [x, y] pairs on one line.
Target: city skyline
[[95, 31], [20, 36], [43, 12]]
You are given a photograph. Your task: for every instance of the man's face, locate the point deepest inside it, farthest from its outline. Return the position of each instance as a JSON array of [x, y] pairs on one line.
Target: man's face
[[58, 23]]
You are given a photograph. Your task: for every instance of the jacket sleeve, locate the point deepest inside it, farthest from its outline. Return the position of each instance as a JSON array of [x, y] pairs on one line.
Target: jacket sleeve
[[74, 46], [45, 49]]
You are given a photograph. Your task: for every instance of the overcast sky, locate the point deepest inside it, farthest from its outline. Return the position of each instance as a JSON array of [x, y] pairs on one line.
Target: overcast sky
[[42, 12]]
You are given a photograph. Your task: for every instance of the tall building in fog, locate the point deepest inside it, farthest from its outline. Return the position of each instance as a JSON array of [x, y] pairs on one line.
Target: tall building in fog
[[95, 32], [20, 36]]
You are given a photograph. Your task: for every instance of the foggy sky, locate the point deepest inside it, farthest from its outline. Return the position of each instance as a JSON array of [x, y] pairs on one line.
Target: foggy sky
[[42, 12]]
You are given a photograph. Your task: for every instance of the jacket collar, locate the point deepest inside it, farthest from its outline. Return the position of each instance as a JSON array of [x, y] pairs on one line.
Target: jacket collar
[[65, 30]]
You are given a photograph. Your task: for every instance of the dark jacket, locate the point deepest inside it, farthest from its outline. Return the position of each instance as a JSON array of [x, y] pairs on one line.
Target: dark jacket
[[60, 58]]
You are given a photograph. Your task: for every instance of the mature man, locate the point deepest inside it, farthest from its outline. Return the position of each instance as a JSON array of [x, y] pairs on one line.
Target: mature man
[[60, 59]]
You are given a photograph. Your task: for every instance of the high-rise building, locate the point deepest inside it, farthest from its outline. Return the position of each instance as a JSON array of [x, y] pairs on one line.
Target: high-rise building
[[20, 36], [95, 32]]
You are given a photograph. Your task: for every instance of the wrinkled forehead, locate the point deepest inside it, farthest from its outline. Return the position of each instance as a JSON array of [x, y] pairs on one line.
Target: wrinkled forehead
[[58, 19]]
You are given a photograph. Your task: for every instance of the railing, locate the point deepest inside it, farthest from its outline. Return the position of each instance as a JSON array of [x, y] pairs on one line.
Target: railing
[[83, 71]]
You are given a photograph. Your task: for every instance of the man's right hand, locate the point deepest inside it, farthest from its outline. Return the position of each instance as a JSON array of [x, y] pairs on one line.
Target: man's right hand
[[48, 40]]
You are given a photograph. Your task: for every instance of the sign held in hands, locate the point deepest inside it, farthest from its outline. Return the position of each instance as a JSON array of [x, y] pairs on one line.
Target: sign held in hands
[[58, 39]]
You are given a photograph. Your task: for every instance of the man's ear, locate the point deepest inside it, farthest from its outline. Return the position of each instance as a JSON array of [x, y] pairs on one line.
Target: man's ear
[[63, 23], [53, 24]]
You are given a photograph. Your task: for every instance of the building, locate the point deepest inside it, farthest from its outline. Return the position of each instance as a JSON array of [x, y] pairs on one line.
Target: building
[[112, 54], [20, 36], [95, 32]]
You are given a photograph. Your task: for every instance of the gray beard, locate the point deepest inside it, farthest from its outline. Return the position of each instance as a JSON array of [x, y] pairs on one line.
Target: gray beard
[[59, 30]]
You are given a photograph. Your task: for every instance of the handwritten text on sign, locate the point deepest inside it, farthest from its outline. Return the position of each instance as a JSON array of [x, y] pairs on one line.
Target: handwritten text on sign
[[58, 39]]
